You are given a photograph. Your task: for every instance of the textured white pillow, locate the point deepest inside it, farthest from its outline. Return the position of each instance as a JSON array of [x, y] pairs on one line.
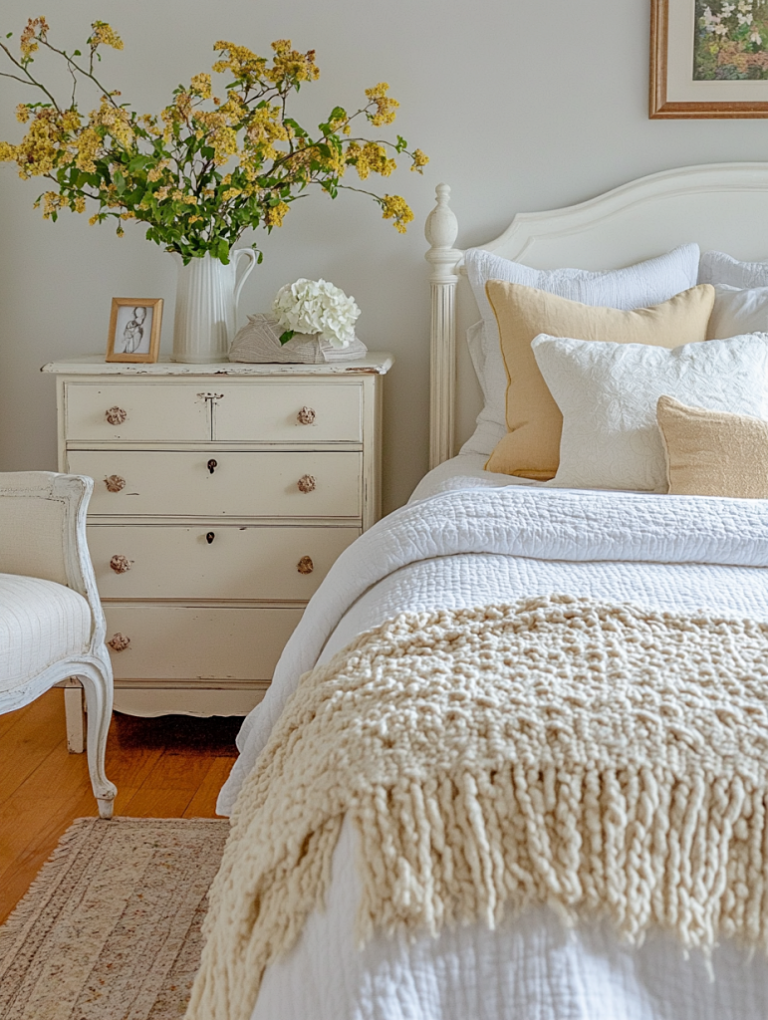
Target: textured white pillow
[[608, 392], [717, 267], [646, 283], [488, 432], [738, 311]]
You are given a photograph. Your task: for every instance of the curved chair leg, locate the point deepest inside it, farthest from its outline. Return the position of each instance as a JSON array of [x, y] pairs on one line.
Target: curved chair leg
[[96, 679]]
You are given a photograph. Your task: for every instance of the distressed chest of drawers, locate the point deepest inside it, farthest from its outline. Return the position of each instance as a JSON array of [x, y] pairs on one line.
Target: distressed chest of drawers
[[223, 494]]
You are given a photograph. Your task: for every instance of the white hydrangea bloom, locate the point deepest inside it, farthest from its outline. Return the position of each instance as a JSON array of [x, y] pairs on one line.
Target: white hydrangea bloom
[[316, 306]]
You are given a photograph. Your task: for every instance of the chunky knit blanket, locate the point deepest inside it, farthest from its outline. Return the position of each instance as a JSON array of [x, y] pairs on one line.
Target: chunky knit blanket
[[598, 758]]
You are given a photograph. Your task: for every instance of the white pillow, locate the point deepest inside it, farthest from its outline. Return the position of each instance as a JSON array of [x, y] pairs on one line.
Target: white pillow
[[608, 392], [646, 283], [717, 267], [738, 311], [488, 432]]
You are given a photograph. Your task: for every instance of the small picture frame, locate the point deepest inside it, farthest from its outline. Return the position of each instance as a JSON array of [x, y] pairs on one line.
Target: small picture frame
[[134, 330]]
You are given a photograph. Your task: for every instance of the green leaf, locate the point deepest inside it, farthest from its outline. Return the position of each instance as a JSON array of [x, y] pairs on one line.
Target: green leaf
[[289, 333], [222, 251], [77, 53]]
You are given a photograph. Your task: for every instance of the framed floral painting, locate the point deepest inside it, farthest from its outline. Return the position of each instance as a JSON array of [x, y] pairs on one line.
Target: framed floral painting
[[709, 58]]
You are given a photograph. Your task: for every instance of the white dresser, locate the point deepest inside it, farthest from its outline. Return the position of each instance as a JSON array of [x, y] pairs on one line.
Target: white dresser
[[223, 494]]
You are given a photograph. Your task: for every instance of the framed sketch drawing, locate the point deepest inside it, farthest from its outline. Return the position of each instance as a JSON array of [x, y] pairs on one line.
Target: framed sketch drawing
[[709, 58], [134, 329]]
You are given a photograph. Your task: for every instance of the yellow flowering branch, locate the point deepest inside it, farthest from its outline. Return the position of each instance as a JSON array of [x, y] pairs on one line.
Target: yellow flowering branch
[[205, 168]]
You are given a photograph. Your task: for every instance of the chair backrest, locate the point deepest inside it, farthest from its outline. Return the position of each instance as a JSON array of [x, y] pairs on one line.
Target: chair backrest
[[40, 513]]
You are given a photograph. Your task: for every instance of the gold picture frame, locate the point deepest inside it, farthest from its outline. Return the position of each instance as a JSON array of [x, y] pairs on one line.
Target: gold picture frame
[[706, 62], [134, 336]]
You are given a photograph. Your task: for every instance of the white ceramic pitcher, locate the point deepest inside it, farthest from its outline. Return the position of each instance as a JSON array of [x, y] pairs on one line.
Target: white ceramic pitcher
[[206, 306]]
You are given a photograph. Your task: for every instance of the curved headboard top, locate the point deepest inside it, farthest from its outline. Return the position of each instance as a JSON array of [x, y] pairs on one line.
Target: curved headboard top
[[722, 206]]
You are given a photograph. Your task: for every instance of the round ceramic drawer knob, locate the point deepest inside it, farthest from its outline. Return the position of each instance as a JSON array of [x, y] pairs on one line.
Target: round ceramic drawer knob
[[116, 415], [306, 416], [305, 565], [118, 642], [306, 483], [114, 483], [120, 564]]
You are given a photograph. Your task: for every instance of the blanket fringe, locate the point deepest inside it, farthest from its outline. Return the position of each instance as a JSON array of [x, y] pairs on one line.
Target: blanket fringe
[[676, 840]]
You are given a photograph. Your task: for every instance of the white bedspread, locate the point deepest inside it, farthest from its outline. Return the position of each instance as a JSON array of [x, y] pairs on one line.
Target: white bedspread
[[493, 544]]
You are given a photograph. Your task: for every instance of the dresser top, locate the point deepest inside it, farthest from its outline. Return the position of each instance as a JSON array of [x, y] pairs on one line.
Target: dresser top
[[374, 363]]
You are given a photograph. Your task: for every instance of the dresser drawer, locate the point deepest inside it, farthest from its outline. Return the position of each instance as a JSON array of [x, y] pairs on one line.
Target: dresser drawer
[[216, 483], [140, 412], [247, 564], [205, 644], [289, 412]]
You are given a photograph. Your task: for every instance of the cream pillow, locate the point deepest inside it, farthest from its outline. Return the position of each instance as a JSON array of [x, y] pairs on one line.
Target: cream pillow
[[608, 394], [713, 453], [531, 447]]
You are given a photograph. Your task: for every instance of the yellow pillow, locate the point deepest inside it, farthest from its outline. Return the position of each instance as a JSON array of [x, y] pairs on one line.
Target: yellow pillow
[[531, 448], [713, 453]]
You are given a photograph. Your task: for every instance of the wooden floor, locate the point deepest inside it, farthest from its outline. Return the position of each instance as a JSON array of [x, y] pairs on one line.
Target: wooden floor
[[171, 767]]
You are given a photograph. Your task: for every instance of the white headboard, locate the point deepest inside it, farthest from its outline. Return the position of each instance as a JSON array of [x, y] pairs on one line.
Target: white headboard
[[722, 206]]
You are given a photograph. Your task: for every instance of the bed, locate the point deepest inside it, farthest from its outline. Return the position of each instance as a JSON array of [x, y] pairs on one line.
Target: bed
[[470, 537]]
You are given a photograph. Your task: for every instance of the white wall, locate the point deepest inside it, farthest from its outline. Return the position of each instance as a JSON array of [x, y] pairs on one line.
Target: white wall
[[521, 104]]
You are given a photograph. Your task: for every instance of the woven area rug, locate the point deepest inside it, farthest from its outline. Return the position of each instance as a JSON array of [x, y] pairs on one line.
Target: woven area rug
[[110, 929]]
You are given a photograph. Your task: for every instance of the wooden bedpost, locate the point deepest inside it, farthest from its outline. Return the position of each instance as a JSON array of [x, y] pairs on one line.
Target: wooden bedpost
[[441, 230]]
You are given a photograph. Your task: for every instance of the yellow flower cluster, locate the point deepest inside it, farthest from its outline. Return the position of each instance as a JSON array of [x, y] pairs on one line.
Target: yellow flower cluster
[[419, 160], [275, 214], [37, 153], [116, 120], [239, 59], [369, 158], [28, 40], [87, 145], [157, 171], [103, 34], [200, 85], [397, 209], [385, 107], [291, 65], [53, 202]]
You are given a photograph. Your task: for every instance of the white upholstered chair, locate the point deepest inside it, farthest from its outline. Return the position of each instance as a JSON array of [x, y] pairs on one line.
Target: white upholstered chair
[[51, 623]]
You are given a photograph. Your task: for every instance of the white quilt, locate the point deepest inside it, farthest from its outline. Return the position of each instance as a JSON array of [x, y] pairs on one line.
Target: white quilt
[[494, 544]]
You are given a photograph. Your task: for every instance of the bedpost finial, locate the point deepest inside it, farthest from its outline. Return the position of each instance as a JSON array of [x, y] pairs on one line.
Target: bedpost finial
[[443, 192], [442, 227]]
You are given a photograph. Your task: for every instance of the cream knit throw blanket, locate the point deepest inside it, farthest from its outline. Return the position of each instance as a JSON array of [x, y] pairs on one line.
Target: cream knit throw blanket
[[599, 758]]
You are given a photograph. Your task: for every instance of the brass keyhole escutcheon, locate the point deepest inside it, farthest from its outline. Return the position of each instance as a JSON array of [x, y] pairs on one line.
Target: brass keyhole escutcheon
[[212, 465], [210, 537]]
